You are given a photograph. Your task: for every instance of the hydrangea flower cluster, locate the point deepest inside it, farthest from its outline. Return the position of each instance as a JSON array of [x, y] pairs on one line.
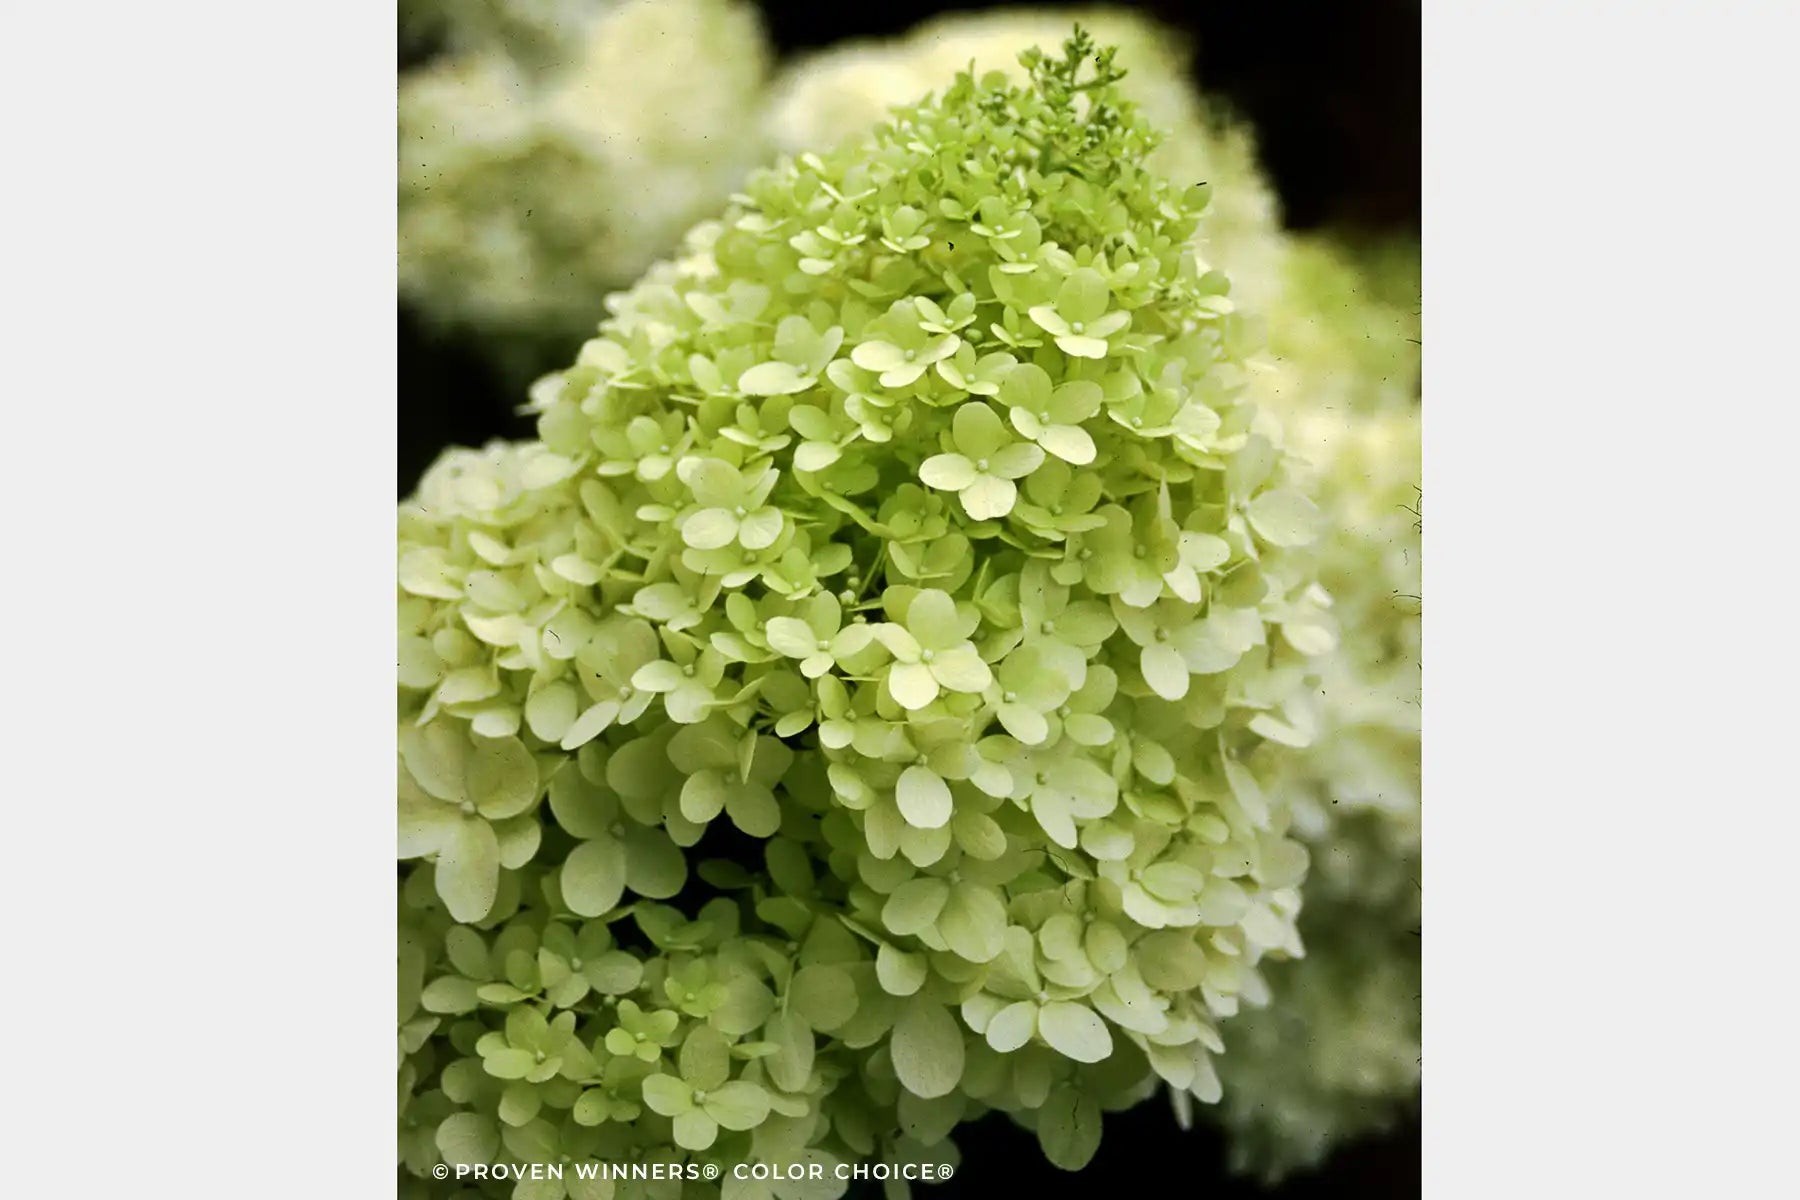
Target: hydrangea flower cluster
[[530, 188], [1346, 383], [1336, 1051], [843, 91], [847, 718]]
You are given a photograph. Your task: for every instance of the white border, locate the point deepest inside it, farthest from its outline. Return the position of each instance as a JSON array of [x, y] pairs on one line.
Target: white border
[[198, 216], [199, 248], [1610, 459]]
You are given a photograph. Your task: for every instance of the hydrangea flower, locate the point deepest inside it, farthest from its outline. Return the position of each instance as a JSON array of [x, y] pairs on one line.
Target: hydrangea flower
[[880, 834], [549, 164], [1334, 1051], [532, 32]]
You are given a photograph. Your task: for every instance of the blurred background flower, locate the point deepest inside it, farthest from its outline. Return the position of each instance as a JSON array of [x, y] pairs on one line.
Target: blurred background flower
[[1335, 1052], [563, 151]]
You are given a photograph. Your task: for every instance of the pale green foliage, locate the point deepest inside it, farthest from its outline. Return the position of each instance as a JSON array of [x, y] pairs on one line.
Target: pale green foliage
[[1336, 1051], [848, 717], [530, 190]]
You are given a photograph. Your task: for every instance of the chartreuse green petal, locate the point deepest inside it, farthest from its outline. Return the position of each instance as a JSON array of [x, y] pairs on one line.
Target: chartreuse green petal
[[846, 718], [928, 1050]]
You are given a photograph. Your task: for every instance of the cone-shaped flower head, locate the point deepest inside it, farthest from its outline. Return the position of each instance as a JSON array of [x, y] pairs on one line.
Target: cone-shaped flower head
[[896, 589]]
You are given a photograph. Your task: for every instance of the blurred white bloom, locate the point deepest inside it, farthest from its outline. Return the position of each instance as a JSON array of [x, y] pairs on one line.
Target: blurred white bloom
[[1336, 1052], [525, 197], [532, 32]]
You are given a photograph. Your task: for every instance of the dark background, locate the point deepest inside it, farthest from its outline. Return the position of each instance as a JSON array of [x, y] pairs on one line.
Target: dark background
[[1333, 93]]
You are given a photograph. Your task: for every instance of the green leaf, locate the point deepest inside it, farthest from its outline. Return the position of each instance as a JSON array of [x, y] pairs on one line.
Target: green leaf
[[754, 810], [947, 472], [705, 1058], [703, 797], [747, 1005], [1277, 730], [1069, 1128], [1012, 1026], [509, 1063], [592, 1108], [989, 498], [1071, 443], [815, 456], [467, 1139], [590, 724], [1079, 346], [738, 1105], [580, 807], [924, 798], [654, 865], [932, 619], [1075, 1031], [824, 995], [1165, 670], [499, 993], [878, 356], [790, 1067], [709, 529], [467, 951], [593, 877], [760, 529], [774, 379], [1083, 296], [668, 1095], [551, 711], [1285, 518], [915, 905], [695, 1130], [961, 669], [1020, 458], [449, 994], [503, 778], [979, 835], [791, 636], [899, 973], [434, 756], [468, 870], [534, 1142], [659, 676], [913, 685], [1171, 961], [973, 923], [977, 430], [615, 973], [927, 1048], [519, 1103]]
